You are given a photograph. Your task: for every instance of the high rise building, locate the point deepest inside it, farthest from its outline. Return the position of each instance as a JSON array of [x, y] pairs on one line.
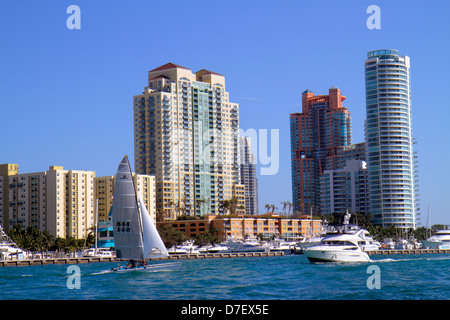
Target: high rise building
[[248, 175], [355, 151], [104, 190], [186, 135], [6, 170], [389, 139], [57, 200], [345, 189], [323, 126]]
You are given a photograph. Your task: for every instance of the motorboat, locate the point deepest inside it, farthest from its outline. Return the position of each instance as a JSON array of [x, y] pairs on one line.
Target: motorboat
[[9, 249], [368, 243], [388, 244], [247, 245], [282, 245], [440, 240], [98, 253], [187, 247], [217, 248], [309, 242], [339, 247]]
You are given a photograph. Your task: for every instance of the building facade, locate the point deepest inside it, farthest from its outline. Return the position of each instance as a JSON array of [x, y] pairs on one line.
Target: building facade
[[186, 135], [6, 170], [346, 189], [248, 175], [104, 190], [57, 200], [355, 151], [389, 139], [241, 227], [323, 126]]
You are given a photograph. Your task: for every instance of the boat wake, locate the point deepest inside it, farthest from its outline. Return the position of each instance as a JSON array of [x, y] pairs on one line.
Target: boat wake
[[412, 259]]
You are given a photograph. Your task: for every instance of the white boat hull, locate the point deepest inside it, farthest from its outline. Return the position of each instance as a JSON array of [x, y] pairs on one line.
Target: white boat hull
[[153, 267], [318, 254], [435, 244]]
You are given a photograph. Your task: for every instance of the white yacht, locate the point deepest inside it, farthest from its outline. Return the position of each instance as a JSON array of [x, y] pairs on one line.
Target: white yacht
[[99, 253], [368, 243], [287, 247], [441, 240], [309, 242], [188, 247], [217, 248], [339, 247], [248, 245], [9, 249]]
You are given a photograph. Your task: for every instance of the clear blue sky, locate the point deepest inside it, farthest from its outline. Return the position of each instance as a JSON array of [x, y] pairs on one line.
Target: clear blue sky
[[66, 95]]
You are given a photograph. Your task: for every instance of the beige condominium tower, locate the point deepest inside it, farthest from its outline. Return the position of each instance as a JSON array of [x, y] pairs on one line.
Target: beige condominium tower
[[186, 135], [104, 190], [60, 201]]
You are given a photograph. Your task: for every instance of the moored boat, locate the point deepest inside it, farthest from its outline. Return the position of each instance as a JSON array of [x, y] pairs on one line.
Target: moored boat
[[440, 240]]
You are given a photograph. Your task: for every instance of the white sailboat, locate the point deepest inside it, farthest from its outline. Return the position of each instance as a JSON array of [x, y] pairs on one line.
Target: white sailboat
[[135, 235]]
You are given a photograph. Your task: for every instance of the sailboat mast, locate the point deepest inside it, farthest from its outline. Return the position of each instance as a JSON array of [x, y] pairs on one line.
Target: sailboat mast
[[96, 225]]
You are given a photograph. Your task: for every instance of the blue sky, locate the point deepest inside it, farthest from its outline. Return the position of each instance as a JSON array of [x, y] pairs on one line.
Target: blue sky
[[66, 95]]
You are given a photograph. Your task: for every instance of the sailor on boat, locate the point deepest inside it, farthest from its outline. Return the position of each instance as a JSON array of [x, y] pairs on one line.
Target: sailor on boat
[[131, 264]]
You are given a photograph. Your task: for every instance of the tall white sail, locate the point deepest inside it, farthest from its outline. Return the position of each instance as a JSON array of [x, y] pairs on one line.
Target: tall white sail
[[153, 245], [126, 218]]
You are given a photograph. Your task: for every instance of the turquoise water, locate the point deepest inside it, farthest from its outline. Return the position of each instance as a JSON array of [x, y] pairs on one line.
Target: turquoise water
[[291, 277]]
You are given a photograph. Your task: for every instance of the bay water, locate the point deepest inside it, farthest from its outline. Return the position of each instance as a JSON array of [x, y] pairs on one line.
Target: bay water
[[289, 277]]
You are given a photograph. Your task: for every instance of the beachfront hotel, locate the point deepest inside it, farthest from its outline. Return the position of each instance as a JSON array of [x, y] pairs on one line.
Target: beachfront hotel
[[186, 135], [60, 201], [317, 133], [389, 139]]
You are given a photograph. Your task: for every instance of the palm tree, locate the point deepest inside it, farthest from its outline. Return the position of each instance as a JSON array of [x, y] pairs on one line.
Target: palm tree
[[290, 205], [233, 204], [285, 204], [267, 206], [273, 207], [224, 205]]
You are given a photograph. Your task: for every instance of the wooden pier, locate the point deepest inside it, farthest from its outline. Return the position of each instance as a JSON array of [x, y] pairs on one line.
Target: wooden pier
[[79, 260]]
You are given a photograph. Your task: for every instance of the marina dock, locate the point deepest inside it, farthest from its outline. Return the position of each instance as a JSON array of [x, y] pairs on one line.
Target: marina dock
[[80, 260], [408, 251]]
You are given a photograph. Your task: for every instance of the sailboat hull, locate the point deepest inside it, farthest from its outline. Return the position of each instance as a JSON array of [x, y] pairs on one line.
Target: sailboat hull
[[150, 268]]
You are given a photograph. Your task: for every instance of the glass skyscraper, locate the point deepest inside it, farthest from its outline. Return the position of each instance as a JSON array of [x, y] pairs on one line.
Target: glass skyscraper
[[389, 139]]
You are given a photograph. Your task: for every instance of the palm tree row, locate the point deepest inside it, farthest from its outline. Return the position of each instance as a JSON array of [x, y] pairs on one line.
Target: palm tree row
[[34, 240], [230, 205], [286, 205]]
